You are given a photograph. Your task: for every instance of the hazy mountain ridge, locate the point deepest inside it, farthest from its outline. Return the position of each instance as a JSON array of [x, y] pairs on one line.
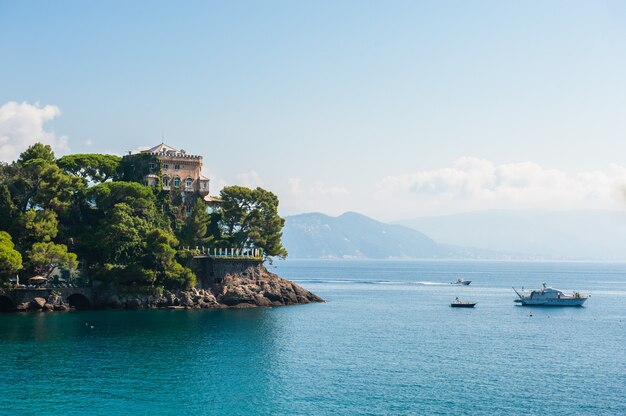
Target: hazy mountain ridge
[[576, 235], [353, 236]]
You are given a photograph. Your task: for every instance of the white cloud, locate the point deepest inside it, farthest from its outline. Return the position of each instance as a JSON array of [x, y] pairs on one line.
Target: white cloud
[[249, 179], [297, 197], [472, 184], [22, 124]]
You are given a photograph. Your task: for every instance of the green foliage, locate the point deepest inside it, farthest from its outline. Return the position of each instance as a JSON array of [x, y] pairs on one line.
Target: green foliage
[[134, 168], [37, 151], [195, 231], [39, 225], [94, 167], [47, 257], [139, 197], [8, 210], [249, 218], [125, 233], [120, 237], [38, 183], [10, 259]]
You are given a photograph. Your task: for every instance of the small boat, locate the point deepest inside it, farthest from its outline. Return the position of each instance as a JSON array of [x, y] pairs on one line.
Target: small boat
[[462, 282], [548, 296], [460, 304]]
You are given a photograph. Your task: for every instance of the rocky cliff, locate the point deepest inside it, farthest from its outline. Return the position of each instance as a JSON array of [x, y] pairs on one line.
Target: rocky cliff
[[253, 287]]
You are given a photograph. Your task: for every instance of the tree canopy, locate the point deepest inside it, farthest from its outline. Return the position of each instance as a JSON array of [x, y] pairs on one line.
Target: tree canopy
[[94, 167], [96, 210], [249, 219], [10, 259]]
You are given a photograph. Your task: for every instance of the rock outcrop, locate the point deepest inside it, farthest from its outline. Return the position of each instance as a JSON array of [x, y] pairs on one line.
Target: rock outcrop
[[251, 287], [254, 287], [258, 287]]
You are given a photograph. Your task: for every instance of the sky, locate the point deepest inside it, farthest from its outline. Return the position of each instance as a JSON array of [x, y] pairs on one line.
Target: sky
[[394, 109]]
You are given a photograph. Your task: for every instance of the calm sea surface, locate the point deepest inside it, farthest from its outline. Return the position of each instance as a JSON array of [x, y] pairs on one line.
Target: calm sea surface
[[385, 343]]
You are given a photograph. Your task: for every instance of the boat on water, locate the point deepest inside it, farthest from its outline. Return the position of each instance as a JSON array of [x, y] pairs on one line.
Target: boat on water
[[462, 282], [460, 304], [548, 296]]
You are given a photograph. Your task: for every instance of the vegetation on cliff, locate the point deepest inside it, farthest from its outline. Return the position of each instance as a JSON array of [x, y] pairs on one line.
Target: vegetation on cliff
[[92, 216]]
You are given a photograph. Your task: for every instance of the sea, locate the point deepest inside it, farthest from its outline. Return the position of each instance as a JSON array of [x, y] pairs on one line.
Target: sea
[[386, 342]]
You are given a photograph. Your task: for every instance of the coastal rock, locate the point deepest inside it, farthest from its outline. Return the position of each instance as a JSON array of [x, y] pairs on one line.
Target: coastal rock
[[36, 303], [135, 303], [246, 286], [258, 287], [114, 302], [54, 299]]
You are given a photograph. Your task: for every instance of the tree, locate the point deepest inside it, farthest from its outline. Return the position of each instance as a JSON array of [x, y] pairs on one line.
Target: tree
[[38, 183], [134, 168], [120, 237], [47, 257], [37, 151], [194, 232], [94, 167], [10, 259], [160, 257], [8, 211], [39, 225], [249, 218], [139, 197]]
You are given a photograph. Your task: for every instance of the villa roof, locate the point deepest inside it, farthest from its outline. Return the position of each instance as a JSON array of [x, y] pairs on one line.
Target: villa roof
[[161, 148]]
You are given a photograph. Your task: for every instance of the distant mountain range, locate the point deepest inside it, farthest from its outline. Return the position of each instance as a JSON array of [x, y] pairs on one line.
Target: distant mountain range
[[579, 235], [355, 236], [494, 234]]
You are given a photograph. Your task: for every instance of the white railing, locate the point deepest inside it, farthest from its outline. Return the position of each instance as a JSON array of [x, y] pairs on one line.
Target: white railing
[[253, 253]]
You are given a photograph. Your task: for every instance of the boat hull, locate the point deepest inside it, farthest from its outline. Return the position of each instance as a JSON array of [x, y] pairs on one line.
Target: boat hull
[[552, 302], [462, 305]]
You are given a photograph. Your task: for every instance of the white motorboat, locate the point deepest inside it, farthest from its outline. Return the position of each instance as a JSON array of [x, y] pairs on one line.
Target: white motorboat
[[548, 296], [460, 281]]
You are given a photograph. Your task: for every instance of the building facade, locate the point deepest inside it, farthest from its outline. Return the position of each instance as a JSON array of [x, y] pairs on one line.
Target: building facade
[[178, 170]]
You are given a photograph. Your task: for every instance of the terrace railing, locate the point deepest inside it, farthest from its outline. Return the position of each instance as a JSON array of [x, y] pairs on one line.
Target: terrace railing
[[230, 253]]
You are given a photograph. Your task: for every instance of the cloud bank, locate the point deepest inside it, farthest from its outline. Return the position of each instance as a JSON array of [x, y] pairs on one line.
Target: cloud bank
[[22, 124], [473, 184]]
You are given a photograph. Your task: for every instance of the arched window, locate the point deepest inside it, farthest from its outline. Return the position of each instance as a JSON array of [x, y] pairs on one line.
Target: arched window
[[166, 181], [189, 182], [177, 182]]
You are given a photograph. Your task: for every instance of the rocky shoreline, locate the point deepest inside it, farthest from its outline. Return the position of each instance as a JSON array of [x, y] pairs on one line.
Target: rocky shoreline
[[255, 287]]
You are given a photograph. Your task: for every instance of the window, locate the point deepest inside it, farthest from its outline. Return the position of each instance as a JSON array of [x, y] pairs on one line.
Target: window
[[151, 166], [189, 182], [177, 182], [176, 167], [166, 181], [166, 166]]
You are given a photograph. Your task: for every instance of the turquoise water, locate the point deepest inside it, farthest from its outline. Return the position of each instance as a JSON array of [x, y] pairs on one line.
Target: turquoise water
[[385, 343]]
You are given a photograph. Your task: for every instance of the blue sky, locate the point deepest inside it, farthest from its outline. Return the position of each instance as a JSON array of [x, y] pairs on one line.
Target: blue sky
[[394, 109]]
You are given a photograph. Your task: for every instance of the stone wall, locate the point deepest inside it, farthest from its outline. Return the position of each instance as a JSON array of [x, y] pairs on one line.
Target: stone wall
[[211, 270]]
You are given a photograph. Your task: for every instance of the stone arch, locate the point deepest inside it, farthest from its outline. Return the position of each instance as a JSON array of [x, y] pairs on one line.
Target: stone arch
[[6, 304], [79, 301]]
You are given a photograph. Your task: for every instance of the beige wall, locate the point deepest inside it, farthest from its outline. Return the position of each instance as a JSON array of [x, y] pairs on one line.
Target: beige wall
[[188, 168]]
